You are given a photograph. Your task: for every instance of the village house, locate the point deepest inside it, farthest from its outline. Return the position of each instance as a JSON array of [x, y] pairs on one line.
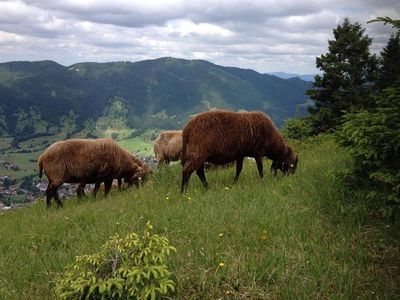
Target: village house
[[42, 186], [30, 197]]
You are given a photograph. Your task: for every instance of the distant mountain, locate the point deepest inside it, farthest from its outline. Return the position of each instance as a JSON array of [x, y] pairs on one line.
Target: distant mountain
[[43, 97], [283, 75]]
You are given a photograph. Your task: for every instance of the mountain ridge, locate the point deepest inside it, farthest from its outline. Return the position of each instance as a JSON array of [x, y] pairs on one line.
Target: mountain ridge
[[284, 75], [159, 93]]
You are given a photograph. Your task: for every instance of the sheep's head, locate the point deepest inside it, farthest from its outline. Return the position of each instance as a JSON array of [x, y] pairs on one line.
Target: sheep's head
[[135, 178], [288, 164]]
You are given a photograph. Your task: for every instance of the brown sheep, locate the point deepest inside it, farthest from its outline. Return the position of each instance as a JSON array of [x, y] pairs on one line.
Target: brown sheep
[[221, 137], [168, 146], [144, 170], [85, 161]]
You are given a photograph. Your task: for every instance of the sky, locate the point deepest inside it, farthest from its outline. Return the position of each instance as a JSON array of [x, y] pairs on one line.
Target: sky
[[264, 35]]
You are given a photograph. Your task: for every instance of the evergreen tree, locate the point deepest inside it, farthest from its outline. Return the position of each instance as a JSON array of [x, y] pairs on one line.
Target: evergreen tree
[[386, 20], [389, 71], [373, 137], [372, 134], [349, 71]]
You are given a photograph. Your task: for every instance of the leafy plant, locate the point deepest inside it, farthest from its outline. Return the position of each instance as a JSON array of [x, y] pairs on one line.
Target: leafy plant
[[130, 267], [297, 129], [373, 138]]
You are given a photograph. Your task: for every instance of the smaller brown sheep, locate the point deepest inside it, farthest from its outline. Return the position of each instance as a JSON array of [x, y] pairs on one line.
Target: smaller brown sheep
[[168, 146], [144, 170], [85, 161]]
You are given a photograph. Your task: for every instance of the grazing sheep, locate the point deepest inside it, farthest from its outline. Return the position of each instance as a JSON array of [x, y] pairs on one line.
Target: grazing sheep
[[86, 161], [144, 170], [220, 137], [168, 146]]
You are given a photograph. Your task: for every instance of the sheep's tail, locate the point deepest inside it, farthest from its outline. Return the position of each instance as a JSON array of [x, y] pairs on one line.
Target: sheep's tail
[[40, 168]]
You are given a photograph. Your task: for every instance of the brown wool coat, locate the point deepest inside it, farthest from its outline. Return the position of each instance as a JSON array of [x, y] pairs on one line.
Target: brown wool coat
[[168, 146], [220, 137], [85, 161]]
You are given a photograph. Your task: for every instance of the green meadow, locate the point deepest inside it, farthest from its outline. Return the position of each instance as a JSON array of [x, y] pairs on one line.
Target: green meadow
[[138, 145], [297, 237]]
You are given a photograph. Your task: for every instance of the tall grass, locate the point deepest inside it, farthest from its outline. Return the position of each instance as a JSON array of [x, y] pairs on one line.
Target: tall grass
[[285, 237]]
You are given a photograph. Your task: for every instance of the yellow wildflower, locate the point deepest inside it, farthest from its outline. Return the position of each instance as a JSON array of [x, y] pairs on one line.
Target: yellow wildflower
[[221, 234], [226, 188], [221, 264], [167, 198], [264, 235]]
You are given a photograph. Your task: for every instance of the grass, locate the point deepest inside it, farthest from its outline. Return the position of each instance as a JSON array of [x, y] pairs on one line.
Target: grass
[[25, 161], [137, 144], [297, 237]]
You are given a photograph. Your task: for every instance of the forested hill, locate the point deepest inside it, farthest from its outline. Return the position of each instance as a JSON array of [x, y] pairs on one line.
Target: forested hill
[[45, 97]]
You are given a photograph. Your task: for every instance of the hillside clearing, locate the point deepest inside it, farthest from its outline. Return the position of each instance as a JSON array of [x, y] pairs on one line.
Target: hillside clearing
[[285, 237]]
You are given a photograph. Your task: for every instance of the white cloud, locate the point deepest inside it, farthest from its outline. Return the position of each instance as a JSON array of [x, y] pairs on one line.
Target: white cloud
[[266, 35]]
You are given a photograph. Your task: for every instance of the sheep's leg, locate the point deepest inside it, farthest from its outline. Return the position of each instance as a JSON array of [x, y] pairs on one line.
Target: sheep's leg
[[260, 166], [80, 190], [96, 189], [239, 167], [202, 176], [107, 186], [52, 192], [119, 183], [59, 202], [49, 194], [185, 180], [189, 167]]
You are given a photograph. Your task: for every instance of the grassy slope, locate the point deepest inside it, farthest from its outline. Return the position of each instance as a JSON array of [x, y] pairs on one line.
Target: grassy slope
[[286, 238], [138, 145]]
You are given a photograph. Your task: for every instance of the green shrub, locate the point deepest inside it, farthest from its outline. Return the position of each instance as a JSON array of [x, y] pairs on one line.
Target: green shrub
[[373, 138], [297, 129], [130, 267]]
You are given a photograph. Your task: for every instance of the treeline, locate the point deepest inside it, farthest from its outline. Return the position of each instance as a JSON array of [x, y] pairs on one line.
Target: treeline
[[357, 97]]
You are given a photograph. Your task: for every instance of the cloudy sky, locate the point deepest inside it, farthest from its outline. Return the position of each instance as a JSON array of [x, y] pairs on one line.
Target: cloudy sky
[[265, 35]]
